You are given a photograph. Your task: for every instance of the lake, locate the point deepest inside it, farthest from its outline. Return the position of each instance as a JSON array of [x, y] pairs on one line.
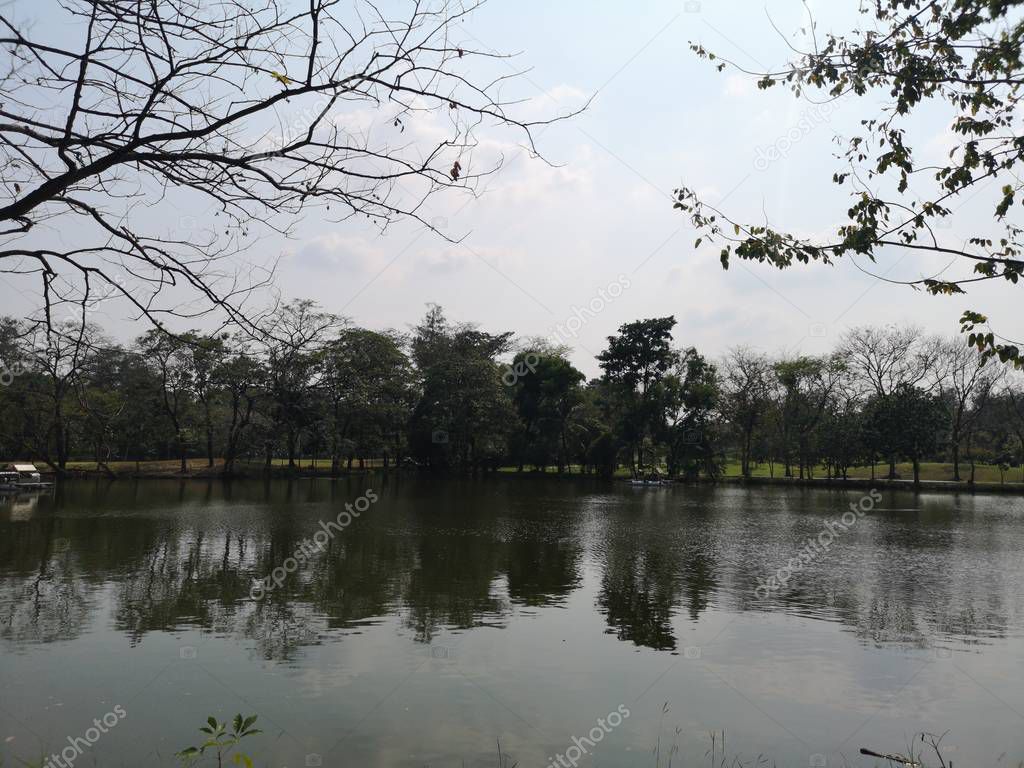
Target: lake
[[567, 620]]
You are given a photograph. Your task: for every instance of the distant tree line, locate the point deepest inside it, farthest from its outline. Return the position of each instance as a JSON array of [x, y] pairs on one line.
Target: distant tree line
[[449, 396]]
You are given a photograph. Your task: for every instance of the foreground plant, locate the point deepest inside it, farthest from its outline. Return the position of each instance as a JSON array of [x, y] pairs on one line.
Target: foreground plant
[[222, 742]]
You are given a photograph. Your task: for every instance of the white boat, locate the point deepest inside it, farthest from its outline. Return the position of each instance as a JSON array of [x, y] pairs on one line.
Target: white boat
[[22, 477]]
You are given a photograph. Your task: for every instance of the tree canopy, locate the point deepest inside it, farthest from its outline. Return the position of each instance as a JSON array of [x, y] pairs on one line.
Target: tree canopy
[[452, 397]]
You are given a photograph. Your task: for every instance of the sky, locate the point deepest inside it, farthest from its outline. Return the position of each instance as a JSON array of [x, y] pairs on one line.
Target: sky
[[572, 246]]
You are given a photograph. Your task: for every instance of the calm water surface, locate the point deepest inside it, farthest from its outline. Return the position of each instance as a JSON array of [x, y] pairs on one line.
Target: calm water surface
[[456, 613]]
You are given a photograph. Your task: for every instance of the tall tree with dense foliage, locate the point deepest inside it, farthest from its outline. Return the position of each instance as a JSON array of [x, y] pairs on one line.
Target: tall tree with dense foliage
[[103, 398], [367, 379], [746, 390], [58, 355], [242, 381], [634, 364], [884, 360], [294, 337], [546, 391], [807, 386], [465, 412], [965, 383], [693, 399], [169, 358], [921, 422], [205, 355]]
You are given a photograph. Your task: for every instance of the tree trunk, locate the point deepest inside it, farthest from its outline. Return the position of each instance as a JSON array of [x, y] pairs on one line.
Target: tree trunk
[[565, 452], [60, 438], [956, 455], [293, 440], [208, 425], [745, 457]]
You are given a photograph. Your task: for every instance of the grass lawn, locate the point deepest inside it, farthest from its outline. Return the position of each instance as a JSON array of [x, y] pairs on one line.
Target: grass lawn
[[172, 466], [932, 470], [984, 473], [169, 467]]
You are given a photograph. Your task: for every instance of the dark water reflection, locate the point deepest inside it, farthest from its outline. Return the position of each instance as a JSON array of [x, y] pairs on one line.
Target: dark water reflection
[[548, 590]]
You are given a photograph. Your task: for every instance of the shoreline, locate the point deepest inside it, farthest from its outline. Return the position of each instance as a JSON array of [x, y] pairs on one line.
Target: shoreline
[[307, 473], [947, 486]]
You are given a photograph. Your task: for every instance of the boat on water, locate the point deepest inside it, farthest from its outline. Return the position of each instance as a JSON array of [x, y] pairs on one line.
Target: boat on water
[[22, 477]]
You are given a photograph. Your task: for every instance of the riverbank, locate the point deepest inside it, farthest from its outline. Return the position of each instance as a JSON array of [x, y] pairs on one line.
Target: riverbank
[[200, 469], [951, 486], [934, 475]]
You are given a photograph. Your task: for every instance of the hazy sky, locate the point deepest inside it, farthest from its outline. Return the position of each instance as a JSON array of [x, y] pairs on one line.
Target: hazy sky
[[543, 241]]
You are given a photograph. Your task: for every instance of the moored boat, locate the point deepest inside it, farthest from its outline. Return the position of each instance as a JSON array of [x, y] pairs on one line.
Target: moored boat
[[22, 477]]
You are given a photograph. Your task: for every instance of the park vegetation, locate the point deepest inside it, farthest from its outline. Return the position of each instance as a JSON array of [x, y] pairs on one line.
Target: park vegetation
[[447, 396]]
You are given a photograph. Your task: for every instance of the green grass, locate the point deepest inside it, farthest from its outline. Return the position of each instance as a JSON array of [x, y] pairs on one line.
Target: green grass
[[172, 466], [576, 470], [984, 473], [932, 470]]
